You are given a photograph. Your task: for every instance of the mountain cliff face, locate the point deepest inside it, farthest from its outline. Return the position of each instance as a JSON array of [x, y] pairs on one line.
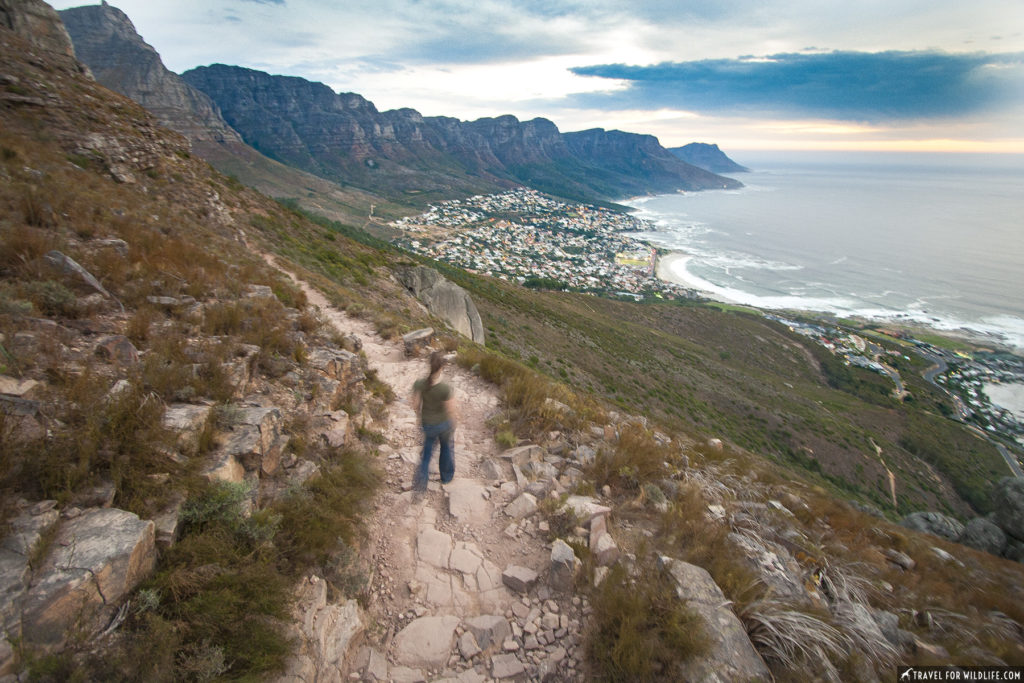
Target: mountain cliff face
[[105, 39], [345, 138], [642, 162], [341, 137], [708, 157]]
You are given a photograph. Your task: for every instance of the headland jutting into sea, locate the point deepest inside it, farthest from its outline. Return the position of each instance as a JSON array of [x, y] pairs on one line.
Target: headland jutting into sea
[[526, 237]]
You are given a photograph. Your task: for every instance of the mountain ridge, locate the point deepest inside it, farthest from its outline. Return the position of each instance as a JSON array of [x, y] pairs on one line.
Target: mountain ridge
[[304, 123], [243, 119]]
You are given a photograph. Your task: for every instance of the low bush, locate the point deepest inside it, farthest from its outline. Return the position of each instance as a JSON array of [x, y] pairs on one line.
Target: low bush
[[640, 630], [326, 508], [635, 459]]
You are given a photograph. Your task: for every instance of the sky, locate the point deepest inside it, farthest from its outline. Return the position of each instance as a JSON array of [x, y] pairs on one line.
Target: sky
[[891, 75]]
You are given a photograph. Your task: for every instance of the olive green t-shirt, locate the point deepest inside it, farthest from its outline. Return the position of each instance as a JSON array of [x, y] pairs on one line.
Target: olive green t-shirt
[[432, 410]]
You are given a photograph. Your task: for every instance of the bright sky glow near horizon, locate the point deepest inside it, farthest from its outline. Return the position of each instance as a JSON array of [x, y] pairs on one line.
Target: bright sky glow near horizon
[[888, 75]]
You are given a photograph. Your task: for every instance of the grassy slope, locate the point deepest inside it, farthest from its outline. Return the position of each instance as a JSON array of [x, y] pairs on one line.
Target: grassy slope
[[746, 379]]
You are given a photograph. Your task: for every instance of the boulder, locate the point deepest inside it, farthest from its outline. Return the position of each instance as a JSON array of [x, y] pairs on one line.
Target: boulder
[[445, 299], [15, 550], [505, 667], [521, 455], [69, 266], [934, 523], [223, 466], [731, 656], [523, 506], [188, 421], [96, 559], [16, 387], [519, 579], [901, 560], [563, 567], [491, 470], [488, 629], [586, 508], [337, 364], [117, 348], [1008, 503], [418, 342], [983, 534]]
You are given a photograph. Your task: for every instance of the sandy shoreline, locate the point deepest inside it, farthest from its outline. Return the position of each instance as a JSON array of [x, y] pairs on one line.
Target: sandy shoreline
[[671, 267]]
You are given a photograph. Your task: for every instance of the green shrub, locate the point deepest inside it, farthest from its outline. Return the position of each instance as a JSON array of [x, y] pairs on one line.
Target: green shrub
[[634, 460], [640, 630], [326, 508], [51, 298]]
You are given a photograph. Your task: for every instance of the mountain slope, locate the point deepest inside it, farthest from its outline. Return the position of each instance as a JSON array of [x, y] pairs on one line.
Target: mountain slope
[[105, 39]]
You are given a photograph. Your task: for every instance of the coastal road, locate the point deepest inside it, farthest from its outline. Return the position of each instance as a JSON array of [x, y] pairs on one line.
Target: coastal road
[[1010, 459], [937, 369]]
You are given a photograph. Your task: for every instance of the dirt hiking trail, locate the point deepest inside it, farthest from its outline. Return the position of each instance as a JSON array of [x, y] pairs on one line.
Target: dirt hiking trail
[[457, 589]]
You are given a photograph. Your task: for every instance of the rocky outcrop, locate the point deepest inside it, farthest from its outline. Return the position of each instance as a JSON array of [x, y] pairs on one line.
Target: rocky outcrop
[[984, 535], [1008, 504], [323, 631], [105, 39], [445, 299], [38, 23], [96, 559], [1001, 533], [731, 657], [934, 523], [708, 157]]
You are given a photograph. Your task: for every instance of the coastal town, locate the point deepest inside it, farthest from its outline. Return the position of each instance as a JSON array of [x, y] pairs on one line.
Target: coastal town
[[965, 378], [526, 237]]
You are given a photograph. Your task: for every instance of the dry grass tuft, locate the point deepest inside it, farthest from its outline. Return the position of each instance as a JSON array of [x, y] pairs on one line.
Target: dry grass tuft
[[794, 640]]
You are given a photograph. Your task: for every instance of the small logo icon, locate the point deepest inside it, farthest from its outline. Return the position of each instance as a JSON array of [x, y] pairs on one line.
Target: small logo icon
[[906, 674]]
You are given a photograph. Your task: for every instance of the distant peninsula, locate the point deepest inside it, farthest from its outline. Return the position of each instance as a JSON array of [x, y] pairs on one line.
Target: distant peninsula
[[707, 156]]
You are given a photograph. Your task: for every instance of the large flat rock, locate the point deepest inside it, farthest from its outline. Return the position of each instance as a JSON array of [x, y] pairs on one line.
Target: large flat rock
[[466, 502], [426, 642]]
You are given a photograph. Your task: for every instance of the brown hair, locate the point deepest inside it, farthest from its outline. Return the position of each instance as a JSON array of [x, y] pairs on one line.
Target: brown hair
[[436, 363]]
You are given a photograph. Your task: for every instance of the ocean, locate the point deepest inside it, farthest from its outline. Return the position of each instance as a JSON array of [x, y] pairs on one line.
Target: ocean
[[933, 239]]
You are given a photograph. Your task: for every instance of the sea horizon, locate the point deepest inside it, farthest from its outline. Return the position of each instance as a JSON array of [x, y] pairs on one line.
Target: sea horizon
[[920, 239]]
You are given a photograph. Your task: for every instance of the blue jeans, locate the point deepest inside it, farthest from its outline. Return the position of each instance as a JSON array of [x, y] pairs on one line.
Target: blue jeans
[[444, 433]]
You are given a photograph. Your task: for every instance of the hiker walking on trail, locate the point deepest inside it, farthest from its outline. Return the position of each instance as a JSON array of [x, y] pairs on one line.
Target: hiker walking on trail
[[434, 400]]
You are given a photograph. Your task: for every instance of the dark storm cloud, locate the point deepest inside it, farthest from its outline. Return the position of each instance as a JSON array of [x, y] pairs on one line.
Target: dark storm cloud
[[882, 86]]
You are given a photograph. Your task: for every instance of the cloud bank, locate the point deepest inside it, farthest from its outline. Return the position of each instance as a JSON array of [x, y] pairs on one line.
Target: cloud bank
[[841, 85]]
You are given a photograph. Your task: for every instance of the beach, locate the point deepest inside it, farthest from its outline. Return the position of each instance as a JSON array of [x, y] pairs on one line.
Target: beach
[[671, 267]]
